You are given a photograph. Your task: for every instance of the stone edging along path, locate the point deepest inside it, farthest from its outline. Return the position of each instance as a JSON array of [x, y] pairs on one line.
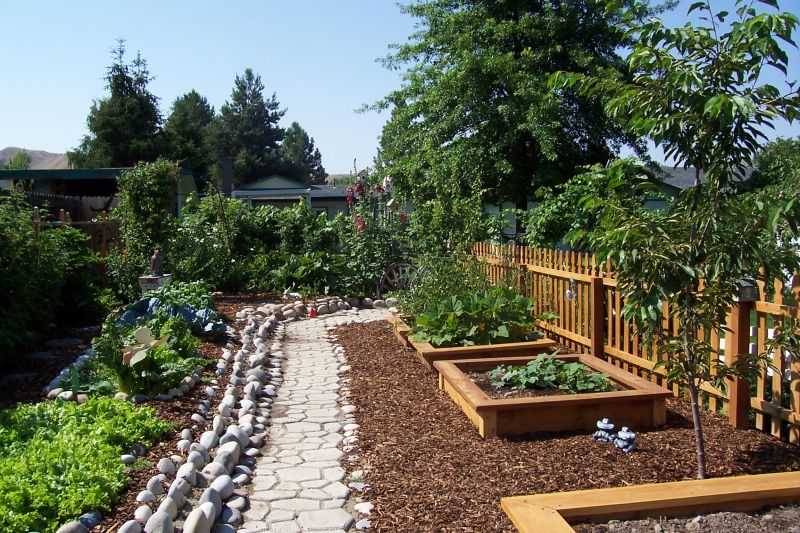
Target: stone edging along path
[[266, 457], [299, 483]]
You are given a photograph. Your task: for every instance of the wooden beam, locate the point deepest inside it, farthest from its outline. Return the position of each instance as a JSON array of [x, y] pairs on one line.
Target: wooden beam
[[679, 498]]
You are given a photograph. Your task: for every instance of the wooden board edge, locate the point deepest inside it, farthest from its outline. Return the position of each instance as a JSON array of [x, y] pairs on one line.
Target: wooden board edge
[[529, 518], [679, 498]]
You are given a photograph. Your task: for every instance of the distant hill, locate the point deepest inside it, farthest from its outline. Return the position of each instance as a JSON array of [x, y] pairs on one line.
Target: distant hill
[[40, 160]]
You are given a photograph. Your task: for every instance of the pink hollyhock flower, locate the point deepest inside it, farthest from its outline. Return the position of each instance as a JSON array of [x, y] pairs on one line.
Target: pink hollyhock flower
[[359, 186], [360, 224], [350, 196]]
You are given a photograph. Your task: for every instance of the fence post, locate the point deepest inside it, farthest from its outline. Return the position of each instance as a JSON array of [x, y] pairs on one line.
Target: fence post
[[598, 317], [37, 226], [738, 388]]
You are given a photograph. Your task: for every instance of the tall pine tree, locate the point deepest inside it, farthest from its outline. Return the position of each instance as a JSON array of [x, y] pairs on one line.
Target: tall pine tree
[[125, 127], [186, 134], [247, 129], [301, 159]]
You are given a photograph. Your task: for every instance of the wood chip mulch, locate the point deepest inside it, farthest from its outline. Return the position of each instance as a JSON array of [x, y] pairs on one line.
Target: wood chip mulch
[[429, 470]]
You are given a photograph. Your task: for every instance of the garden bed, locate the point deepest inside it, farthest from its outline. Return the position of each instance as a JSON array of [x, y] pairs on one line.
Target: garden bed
[[640, 405], [428, 355], [680, 498], [433, 472]]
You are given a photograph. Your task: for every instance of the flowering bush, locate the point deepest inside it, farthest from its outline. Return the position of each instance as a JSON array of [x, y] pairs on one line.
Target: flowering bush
[[374, 235]]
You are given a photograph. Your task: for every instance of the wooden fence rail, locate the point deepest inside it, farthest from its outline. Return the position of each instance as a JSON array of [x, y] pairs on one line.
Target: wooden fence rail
[[588, 309], [102, 233]]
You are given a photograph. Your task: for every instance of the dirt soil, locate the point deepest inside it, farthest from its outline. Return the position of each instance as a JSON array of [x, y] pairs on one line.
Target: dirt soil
[[784, 519], [429, 470]]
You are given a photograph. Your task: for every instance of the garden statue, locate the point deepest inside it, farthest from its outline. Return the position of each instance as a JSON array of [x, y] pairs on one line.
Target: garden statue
[[287, 295], [605, 431], [156, 263], [626, 440], [156, 279]]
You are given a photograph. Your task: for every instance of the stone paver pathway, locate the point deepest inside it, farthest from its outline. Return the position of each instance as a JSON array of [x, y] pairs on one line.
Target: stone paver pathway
[[299, 483]]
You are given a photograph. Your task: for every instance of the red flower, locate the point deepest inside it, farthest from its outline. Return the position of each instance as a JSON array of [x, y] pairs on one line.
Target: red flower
[[350, 196], [360, 224], [403, 218], [360, 188]]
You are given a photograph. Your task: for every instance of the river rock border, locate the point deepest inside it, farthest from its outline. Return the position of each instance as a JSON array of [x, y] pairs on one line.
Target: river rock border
[[201, 487]]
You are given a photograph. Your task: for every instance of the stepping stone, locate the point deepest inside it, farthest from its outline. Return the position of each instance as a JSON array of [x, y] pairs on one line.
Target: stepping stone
[[325, 519], [299, 473]]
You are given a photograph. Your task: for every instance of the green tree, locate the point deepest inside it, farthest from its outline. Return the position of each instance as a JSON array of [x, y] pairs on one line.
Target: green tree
[[475, 97], [698, 92], [125, 127], [186, 133], [19, 161], [301, 159], [247, 129], [778, 166]]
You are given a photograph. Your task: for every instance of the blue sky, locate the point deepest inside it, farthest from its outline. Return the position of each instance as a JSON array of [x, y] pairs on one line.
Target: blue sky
[[318, 56]]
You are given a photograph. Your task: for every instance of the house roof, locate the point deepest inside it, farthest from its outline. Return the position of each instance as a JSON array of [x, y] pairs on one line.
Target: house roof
[[274, 181], [281, 188], [328, 191], [69, 174], [680, 178]]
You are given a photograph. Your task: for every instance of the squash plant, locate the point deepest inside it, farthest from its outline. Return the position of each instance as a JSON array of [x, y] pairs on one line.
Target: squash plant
[[547, 372], [495, 316]]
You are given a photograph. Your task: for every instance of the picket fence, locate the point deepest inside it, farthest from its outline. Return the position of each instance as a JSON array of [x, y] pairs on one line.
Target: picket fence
[[588, 307]]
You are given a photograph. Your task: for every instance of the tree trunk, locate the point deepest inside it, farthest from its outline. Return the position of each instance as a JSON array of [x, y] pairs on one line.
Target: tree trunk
[[698, 431]]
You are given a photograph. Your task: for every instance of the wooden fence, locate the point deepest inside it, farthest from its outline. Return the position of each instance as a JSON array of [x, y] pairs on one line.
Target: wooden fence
[[588, 308], [102, 234]]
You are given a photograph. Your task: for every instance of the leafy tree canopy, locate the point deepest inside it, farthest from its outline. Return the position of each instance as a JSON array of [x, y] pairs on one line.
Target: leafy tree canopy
[[247, 129], [187, 134], [475, 97], [125, 127], [778, 166], [19, 161], [301, 159]]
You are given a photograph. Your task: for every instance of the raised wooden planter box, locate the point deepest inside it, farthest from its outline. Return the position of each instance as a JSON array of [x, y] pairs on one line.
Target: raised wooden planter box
[[429, 355], [554, 512], [641, 405]]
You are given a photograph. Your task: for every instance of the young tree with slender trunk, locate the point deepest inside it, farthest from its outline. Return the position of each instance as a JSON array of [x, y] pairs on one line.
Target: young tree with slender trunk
[[698, 91]]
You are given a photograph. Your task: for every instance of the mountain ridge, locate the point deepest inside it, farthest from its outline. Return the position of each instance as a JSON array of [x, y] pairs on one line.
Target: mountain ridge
[[40, 159]]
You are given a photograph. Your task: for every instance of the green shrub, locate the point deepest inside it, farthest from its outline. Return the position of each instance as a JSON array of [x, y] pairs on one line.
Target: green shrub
[[197, 294], [495, 316], [316, 272], [163, 368], [53, 281], [371, 238], [440, 277], [547, 372], [60, 459], [146, 212]]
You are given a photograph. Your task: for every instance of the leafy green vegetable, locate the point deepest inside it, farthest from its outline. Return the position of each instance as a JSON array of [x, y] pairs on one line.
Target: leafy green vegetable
[[547, 372], [495, 316], [60, 459]]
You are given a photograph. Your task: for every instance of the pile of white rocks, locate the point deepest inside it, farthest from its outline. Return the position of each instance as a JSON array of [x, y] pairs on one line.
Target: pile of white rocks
[[299, 308]]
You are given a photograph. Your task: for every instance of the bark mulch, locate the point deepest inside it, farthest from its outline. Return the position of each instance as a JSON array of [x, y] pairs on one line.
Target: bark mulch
[[429, 470]]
